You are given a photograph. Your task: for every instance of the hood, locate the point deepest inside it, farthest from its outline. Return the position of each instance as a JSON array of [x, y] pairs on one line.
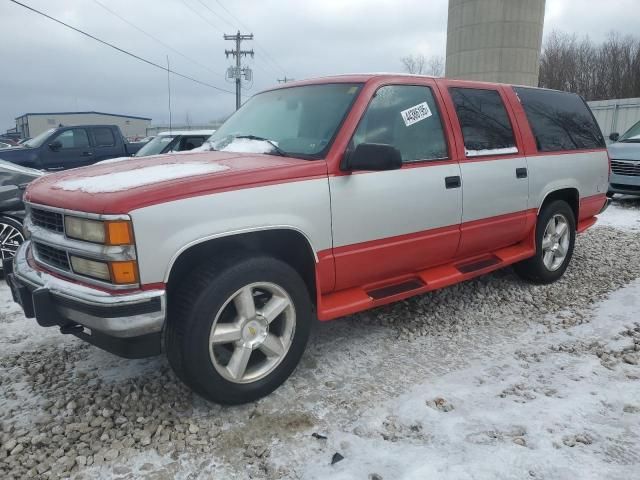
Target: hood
[[624, 151], [124, 184], [15, 152]]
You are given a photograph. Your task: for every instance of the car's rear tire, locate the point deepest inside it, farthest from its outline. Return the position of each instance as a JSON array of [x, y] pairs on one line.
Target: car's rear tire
[[555, 239], [237, 328]]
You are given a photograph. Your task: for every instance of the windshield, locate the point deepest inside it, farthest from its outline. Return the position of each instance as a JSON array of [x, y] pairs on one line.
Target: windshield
[[297, 121], [38, 140], [156, 146], [631, 135]]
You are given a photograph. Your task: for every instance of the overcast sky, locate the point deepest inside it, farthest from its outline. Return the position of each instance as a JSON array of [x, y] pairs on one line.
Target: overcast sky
[[45, 67]]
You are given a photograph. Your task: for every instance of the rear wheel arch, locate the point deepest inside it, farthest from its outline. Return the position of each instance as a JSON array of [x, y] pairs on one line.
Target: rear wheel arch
[[570, 195], [284, 243]]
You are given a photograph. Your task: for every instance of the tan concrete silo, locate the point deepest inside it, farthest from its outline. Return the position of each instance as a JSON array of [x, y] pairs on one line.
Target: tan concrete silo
[[495, 40]]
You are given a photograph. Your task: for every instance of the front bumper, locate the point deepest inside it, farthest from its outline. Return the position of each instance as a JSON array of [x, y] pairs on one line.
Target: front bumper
[[624, 184], [127, 324]]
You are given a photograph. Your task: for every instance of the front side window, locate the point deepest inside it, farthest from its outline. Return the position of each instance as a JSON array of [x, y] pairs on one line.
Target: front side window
[[74, 138], [484, 121], [407, 118], [559, 120], [295, 121]]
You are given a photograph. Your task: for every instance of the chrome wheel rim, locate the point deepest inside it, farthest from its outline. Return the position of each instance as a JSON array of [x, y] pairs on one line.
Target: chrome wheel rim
[[10, 239], [252, 332], [555, 242]]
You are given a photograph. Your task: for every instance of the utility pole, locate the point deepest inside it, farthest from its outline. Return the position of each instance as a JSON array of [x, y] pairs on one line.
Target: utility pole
[[237, 72], [285, 79]]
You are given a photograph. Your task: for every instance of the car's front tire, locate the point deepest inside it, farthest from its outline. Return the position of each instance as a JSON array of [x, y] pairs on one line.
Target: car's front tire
[[237, 328], [555, 239], [11, 237]]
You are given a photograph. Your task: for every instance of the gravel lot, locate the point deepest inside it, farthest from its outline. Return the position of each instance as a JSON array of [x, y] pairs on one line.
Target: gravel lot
[[434, 382]]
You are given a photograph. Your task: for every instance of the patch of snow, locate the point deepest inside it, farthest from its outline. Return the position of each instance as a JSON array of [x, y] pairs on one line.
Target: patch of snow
[[137, 177], [535, 411], [491, 151], [620, 217], [246, 145]]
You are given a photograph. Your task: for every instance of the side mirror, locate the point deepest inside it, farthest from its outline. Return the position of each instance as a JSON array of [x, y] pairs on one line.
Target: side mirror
[[55, 146], [614, 136], [373, 156]]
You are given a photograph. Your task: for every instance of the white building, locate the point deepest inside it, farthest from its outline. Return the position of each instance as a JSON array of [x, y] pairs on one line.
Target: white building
[[616, 115], [32, 124]]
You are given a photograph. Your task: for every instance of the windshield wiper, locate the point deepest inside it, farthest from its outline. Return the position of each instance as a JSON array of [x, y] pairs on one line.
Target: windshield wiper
[[276, 148]]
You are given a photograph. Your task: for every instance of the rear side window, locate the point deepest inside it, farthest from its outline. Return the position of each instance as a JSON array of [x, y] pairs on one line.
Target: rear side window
[[559, 120], [484, 121], [406, 117], [103, 137]]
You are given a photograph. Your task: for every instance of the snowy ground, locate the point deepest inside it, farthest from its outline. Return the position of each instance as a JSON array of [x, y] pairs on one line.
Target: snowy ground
[[493, 378]]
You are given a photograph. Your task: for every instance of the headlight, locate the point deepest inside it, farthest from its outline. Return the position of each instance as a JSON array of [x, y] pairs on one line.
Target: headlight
[[120, 273], [84, 229], [96, 231]]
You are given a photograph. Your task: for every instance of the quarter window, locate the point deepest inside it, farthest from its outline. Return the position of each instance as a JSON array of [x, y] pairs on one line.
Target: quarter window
[[484, 121], [406, 117], [103, 137], [559, 120]]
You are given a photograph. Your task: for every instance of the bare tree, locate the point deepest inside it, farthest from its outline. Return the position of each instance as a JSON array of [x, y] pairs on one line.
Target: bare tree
[[595, 71], [420, 65]]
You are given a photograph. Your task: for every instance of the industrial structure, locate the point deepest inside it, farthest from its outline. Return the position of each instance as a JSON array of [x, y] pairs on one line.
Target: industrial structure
[[32, 124], [495, 40]]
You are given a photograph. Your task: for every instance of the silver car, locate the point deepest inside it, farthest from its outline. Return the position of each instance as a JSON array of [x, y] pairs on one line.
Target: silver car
[[625, 162]]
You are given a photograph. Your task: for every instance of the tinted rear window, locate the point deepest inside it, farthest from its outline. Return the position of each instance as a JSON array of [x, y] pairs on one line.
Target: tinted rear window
[[559, 120], [103, 137], [485, 124]]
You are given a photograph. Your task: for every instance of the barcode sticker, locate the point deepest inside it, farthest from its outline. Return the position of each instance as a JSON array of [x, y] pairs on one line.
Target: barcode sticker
[[415, 114]]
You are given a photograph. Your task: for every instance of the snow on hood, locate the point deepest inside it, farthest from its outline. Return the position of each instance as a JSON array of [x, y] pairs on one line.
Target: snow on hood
[[137, 177]]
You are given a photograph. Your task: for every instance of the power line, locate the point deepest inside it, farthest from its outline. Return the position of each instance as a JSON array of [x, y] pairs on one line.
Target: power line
[[215, 27], [121, 50], [155, 38], [264, 52], [215, 13]]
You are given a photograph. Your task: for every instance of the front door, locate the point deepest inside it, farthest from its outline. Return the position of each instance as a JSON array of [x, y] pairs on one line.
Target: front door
[[69, 149], [392, 223]]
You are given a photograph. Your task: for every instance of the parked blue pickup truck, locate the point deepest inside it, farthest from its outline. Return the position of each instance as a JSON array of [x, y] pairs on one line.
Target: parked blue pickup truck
[[70, 147]]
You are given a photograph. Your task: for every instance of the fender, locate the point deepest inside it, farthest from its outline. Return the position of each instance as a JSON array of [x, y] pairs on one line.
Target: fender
[[232, 233]]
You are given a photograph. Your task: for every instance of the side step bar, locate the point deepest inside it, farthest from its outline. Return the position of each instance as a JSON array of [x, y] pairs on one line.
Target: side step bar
[[352, 300]]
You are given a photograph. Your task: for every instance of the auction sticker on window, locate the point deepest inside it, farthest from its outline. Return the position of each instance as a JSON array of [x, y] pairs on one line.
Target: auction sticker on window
[[415, 114]]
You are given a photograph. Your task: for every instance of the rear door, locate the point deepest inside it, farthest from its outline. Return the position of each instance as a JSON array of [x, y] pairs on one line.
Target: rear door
[[105, 144], [74, 150], [390, 223], [493, 167]]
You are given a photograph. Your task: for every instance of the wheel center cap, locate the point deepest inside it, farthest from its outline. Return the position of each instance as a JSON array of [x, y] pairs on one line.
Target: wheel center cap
[[254, 332]]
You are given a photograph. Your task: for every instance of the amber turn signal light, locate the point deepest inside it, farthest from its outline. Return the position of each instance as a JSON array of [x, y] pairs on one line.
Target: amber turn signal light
[[124, 272], [118, 233]]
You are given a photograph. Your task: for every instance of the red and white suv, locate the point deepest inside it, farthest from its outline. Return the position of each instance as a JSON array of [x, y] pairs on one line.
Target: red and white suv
[[321, 198]]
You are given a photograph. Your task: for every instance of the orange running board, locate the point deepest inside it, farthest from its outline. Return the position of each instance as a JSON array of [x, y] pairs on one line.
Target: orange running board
[[352, 300]]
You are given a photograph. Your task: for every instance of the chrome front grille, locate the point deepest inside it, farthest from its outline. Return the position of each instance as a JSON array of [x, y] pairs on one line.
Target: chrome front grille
[[620, 167], [47, 219], [52, 256]]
